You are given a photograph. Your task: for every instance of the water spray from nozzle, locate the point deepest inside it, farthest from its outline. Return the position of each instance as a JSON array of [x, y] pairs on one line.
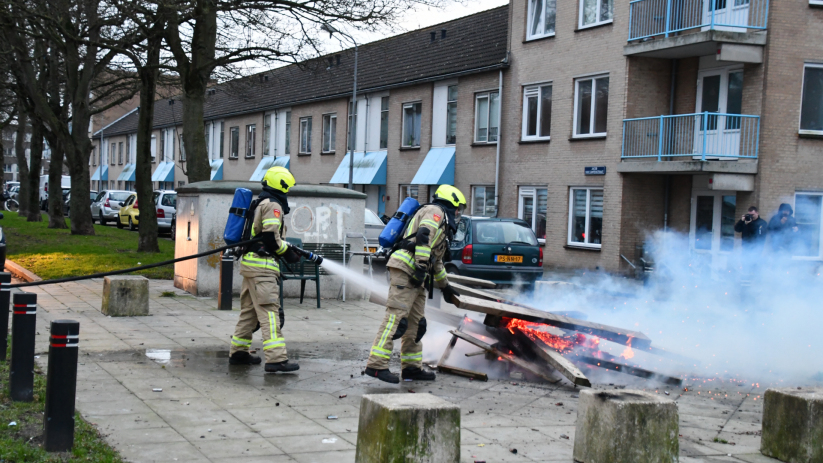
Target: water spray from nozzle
[[316, 258]]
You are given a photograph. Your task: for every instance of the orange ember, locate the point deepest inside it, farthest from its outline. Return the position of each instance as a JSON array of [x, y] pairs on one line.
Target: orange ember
[[534, 332], [628, 352]]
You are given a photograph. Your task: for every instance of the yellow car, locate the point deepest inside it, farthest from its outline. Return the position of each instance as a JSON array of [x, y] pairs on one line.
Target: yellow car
[[129, 213]]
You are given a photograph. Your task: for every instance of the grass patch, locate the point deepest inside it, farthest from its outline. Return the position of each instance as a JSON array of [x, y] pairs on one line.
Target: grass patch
[[721, 441], [52, 253], [24, 442], [168, 294]]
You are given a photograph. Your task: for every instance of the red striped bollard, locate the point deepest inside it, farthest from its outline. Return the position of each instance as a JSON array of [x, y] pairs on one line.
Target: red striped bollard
[[23, 324], [61, 385], [5, 292]]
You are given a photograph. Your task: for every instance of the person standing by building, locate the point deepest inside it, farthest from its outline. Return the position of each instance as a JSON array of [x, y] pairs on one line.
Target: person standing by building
[[783, 229], [259, 267], [417, 260], [753, 230]]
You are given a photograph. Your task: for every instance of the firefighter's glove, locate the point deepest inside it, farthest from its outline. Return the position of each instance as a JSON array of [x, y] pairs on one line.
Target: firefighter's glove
[[421, 330], [449, 294], [290, 256], [422, 237], [269, 243], [282, 317], [401, 329], [419, 276]]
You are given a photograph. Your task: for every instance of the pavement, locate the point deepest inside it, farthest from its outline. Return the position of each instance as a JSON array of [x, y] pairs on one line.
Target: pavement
[[160, 389]]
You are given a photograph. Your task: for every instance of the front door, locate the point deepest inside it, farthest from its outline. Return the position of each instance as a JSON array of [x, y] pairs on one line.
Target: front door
[[720, 94], [726, 15], [712, 221]]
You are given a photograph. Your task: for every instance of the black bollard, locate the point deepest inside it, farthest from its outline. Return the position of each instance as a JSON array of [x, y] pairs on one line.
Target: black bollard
[[5, 292], [61, 386], [24, 320], [226, 269]]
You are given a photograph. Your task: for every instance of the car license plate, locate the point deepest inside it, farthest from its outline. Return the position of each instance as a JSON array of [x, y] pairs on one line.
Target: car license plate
[[371, 250], [509, 259]]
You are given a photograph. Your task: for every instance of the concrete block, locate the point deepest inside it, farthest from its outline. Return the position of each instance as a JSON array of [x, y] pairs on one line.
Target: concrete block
[[793, 425], [125, 296], [626, 427], [408, 428]]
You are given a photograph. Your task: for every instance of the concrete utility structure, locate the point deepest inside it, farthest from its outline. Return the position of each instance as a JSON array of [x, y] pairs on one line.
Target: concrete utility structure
[[319, 214], [125, 296], [793, 424], [626, 427], [408, 428]]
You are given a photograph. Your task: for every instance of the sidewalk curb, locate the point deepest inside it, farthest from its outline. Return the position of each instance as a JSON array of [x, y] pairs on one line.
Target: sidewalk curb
[[15, 269]]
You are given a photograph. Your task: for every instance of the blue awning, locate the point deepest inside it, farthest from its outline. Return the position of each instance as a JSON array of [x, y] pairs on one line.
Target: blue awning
[[164, 172], [437, 168], [261, 169], [283, 161], [101, 174], [216, 169], [128, 173], [369, 169]]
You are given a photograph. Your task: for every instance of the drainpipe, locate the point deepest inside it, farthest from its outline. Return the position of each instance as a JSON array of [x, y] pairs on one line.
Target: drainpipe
[[499, 141], [366, 129], [669, 177], [276, 119]]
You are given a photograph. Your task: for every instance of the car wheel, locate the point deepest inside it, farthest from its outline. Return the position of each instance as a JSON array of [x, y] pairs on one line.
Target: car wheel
[[102, 220], [119, 222], [452, 270], [131, 225]]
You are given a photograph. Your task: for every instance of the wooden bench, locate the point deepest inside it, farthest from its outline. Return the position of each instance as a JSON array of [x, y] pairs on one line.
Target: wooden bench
[[306, 270]]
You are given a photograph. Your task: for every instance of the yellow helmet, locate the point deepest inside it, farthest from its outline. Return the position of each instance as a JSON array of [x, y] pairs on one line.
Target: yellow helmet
[[451, 195], [279, 178]]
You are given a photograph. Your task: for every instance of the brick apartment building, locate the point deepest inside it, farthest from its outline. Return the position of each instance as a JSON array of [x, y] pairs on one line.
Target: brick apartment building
[[615, 120]]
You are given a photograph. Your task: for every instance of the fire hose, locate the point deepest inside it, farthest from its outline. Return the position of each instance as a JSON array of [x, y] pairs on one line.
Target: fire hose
[[317, 259]]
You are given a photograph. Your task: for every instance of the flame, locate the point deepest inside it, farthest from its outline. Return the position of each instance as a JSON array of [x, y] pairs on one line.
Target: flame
[[532, 331], [628, 352]]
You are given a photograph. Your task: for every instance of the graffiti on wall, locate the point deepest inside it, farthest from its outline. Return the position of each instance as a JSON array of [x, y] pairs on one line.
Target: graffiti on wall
[[324, 223]]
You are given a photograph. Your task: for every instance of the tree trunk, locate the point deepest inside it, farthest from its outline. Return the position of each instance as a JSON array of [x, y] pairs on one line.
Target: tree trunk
[[77, 155], [194, 137], [35, 160], [147, 229], [22, 165], [56, 218]]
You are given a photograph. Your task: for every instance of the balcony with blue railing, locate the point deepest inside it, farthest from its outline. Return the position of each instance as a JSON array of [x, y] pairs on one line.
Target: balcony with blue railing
[[703, 136], [699, 24]]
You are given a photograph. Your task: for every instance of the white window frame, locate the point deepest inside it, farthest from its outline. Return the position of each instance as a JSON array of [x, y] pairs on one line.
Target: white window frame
[[404, 193], [182, 149], [542, 26], [524, 192], [332, 136], [488, 96], [153, 148], [588, 190], [305, 130], [403, 124], [486, 189], [529, 91], [819, 256], [251, 141], [234, 154], [802, 91], [384, 122], [816, 2], [451, 103], [593, 115], [600, 21]]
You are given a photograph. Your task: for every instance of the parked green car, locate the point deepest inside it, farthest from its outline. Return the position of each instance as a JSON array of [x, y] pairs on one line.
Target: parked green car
[[502, 250]]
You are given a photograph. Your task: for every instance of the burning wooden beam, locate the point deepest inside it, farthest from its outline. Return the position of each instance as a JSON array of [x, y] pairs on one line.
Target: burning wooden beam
[[537, 370], [499, 309], [463, 372], [611, 365], [554, 358]]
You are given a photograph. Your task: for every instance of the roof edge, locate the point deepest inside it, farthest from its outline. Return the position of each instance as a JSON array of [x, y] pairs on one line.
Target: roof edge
[[103, 129]]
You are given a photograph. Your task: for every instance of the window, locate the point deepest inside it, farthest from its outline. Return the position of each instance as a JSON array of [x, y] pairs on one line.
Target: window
[[182, 148], [287, 150], [173, 142], [537, 112], [483, 201], [305, 135], [209, 148], [220, 149], [541, 19], [493, 232], [811, 106], [329, 132], [486, 117], [266, 133], [128, 149], [350, 145], [808, 213], [591, 106], [251, 133], [119, 184], [181, 183], [532, 207], [120, 153], [153, 148], [163, 145], [585, 217], [384, 122], [595, 12], [451, 115], [234, 133], [408, 191], [412, 113], [93, 156]]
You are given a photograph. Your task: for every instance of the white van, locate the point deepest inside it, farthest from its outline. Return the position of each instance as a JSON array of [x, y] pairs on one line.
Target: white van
[[44, 189]]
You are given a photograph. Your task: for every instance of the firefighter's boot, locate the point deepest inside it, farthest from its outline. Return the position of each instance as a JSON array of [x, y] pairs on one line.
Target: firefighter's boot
[[283, 366], [244, 358], [383, 375], [417, 374]]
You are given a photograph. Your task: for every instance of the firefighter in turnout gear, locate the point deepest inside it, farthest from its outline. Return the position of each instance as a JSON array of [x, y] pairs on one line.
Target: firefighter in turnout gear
[[416, 261], [260, 269]]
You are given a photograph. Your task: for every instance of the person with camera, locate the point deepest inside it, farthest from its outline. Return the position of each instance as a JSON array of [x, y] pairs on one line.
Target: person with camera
[[754, 230]]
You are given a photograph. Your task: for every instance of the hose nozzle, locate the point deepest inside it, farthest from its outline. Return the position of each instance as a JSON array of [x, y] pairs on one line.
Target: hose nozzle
[[316, 258]]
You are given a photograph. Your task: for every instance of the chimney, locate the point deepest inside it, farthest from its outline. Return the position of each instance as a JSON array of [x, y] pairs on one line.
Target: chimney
[[434, 36], [442, 34]]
